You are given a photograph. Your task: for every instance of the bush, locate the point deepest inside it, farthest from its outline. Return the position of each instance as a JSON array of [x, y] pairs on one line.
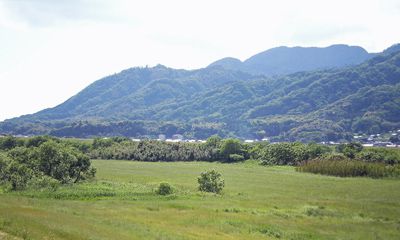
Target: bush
[[279, 154], [15, 176], [235, 158], [4, 160], [102, 143], [349, 149], [211, 181], [230, 146], [333, 157], [317, 150], [213, 141], [43, 182], [383, 155], [164, 189]]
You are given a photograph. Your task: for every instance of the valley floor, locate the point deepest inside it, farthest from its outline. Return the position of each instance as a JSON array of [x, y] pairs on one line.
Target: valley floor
[[258, 202]]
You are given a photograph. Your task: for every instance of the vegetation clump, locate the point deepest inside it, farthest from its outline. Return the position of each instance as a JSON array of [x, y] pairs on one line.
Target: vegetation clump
[[214, 149], [211, 181], [42, 162], [288, 153], [341, 166], [164, 189], [350, 149], [232, 150]]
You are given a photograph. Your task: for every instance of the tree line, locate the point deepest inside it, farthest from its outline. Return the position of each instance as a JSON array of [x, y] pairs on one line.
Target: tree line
[[45, 161]]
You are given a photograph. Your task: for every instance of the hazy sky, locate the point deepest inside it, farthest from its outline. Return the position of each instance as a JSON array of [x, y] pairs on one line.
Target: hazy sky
[[52, 49]]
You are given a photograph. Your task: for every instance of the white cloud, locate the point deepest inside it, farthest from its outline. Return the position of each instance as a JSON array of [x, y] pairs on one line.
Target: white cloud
[[52, 49]]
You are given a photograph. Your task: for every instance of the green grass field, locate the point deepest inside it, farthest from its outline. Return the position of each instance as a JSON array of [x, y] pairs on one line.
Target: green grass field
[[258, 202]]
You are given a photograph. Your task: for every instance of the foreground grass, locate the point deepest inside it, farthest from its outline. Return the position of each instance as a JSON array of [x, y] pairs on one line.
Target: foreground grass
[[258, 203]]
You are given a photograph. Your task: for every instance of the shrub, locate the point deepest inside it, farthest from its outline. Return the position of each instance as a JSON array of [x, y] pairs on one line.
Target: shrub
[[213, 141], [164, 189], [102, 143], [333, 157], [230, 147], [15, 176], [211, 181], [279, 154], [4, 160], [384, 155], [255, 151], [317, 150], [41, 182], [235, 158], [370, 155], [349, 149]]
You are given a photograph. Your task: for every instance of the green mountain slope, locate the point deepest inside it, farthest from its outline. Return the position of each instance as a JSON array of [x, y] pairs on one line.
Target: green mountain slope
[[280, 106], [308, 106], [125, 96]]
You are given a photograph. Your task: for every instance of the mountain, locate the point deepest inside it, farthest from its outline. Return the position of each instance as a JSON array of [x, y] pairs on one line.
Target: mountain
[[394, 48], [319, 105], [286, 60], [133, 92]]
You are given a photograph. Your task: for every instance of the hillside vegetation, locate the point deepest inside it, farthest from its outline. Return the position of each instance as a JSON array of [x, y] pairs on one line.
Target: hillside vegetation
[[330, 104]]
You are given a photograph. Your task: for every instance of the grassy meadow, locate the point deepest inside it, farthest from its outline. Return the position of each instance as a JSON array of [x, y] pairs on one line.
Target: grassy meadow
[[258, 202]]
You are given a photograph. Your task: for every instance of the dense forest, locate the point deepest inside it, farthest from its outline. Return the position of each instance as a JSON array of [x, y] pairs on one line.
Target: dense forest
[[321, 105]]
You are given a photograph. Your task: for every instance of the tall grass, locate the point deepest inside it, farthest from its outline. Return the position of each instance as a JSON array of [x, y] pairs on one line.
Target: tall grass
[[349, 168]]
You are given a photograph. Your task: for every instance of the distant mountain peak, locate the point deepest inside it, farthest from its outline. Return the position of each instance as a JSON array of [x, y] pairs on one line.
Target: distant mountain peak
[[285, 60], [392, 49], [228, 63]]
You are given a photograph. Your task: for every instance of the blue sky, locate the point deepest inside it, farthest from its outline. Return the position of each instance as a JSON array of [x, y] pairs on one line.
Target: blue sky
[[50, 50]]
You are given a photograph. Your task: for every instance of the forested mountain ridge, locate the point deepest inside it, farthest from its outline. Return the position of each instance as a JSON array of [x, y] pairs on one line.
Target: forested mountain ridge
[[320, 105], [317, 105], [125, 95], [286, 60]]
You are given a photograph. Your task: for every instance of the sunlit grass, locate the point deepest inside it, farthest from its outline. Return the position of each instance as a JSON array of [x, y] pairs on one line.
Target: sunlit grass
[[258, 202]]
